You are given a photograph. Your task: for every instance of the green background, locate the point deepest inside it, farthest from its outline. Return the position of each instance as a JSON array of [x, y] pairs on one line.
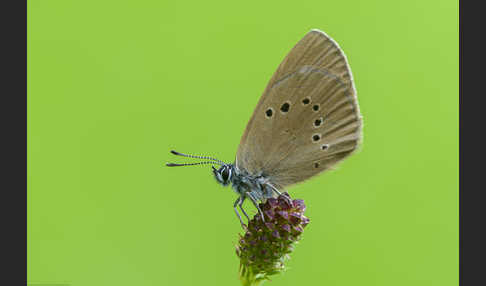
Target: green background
[[114, 85]]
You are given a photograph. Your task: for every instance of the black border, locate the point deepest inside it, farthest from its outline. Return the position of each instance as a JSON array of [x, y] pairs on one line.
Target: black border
[[472, 205], [13, 210]]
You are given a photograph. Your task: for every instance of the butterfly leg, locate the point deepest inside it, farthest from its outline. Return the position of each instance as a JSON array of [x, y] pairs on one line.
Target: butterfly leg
[[254, 201], [275, 190], [279, 193], [242, 199], [236, 211]]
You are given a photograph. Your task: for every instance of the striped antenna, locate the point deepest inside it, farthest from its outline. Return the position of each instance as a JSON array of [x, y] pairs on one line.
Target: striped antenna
[[198, 157], [190, 164]]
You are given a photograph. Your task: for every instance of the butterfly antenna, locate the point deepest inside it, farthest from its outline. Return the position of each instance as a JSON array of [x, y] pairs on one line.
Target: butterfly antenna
[[190, 164], [197, 157]]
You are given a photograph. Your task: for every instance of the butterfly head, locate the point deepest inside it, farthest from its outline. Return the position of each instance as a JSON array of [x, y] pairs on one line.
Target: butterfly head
[[223, 174]]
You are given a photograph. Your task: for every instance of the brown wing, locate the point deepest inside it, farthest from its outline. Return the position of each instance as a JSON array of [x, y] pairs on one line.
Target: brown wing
[[307, 119]]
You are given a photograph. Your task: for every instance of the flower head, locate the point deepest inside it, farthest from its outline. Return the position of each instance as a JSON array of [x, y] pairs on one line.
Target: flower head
[[265, 246]]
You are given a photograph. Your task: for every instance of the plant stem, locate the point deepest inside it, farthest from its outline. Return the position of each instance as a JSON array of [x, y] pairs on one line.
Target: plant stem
[[248, 278]]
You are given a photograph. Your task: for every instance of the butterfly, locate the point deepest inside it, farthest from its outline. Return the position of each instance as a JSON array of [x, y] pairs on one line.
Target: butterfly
[[306, 121]]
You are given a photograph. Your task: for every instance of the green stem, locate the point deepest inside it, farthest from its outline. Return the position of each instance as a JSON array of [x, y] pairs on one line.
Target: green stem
[[248, 278]]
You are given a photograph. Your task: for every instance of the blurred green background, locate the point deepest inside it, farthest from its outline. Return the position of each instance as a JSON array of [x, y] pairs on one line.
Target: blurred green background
[[114, 85]]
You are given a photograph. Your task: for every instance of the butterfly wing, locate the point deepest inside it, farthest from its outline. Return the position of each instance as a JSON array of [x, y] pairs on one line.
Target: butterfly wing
[[307, 119]]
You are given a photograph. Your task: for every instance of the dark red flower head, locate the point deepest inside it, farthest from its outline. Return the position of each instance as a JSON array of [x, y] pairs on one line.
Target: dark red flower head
[[266, 245]]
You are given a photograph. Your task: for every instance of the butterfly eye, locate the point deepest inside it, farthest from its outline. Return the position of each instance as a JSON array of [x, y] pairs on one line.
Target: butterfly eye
[[225, 174]]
